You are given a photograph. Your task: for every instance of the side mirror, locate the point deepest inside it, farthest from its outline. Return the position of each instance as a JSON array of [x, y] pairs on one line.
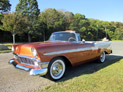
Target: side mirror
[[83, 40]]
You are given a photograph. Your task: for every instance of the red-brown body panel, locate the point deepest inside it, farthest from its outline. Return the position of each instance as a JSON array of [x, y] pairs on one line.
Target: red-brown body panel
[[51, 57], [75, 57]]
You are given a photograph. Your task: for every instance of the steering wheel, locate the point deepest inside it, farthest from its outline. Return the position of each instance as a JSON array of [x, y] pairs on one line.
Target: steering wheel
[[71, 39]]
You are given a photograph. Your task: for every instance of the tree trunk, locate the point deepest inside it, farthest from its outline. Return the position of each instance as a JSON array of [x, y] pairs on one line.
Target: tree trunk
[[29, 38], [44, 35], [13, 38]]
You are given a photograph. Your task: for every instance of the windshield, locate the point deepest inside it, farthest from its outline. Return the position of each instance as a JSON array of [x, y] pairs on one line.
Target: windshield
[[63, 36]]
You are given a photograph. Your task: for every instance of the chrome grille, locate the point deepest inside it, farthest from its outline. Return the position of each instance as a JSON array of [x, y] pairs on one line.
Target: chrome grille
[[24, 60]]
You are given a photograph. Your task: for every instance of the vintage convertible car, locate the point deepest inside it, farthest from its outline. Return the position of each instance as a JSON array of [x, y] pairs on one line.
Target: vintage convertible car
[[51, 57]]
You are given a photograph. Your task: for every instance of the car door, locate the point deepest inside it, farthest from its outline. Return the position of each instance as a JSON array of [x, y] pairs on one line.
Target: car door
[[85, 52]]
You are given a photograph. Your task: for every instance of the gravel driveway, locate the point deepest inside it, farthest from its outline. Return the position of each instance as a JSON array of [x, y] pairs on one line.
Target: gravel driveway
[[14, 80]]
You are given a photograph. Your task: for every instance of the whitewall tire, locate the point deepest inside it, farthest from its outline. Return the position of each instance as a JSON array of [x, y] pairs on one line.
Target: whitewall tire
[[56, 69], [102, 57]]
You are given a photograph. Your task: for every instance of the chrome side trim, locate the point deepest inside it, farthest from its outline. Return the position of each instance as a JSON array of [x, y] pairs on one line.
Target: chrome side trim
[[71, 50]]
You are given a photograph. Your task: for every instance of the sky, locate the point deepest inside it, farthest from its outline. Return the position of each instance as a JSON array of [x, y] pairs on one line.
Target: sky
[[106, 10]]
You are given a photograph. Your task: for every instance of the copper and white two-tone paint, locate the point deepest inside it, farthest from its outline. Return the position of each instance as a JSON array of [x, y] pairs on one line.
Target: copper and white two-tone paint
[[50, 57]]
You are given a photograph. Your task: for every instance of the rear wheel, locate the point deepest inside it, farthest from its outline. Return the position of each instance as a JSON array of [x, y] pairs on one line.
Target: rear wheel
[[102, 57], [56, 69]]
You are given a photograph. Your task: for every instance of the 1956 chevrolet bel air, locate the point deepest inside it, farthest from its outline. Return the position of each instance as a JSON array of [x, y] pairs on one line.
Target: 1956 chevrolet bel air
[[51, 57]]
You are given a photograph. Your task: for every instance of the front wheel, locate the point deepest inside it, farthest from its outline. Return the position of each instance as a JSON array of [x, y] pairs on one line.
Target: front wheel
[[56, 69], [102, 57]]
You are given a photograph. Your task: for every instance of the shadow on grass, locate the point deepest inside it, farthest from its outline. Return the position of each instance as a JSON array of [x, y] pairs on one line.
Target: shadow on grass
[[89, 68]]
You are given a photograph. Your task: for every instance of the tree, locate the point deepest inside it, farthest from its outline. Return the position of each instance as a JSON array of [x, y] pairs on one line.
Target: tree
[[29, 8], [4, 5], [118, 30], [13, 23], [94, 28], [69, 18], [1, 16], [80, 24], [53, 21]]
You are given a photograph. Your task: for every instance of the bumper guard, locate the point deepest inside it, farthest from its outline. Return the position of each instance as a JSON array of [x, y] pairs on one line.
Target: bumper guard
[[41, 72]]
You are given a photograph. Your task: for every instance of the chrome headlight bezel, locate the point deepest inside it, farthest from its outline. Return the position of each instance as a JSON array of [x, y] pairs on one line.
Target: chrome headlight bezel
[[34, 52]]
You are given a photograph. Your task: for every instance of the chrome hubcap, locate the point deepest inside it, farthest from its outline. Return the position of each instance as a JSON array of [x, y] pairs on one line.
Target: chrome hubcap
[[102, 57], [57, 69]]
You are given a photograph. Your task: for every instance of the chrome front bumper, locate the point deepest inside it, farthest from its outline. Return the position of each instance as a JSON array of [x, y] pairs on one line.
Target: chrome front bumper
[[41, 72]]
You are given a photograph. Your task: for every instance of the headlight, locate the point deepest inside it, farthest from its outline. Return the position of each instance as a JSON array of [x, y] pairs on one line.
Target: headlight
[[13, 49], [34, 52]]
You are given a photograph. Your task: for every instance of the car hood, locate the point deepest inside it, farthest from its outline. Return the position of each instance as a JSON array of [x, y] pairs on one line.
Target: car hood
[[45, 44], [25, 49]]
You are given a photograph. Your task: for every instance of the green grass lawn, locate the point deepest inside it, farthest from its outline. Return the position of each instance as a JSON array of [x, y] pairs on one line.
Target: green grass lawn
[[107, 79], [117, 40], [5, 51], [9, 46]]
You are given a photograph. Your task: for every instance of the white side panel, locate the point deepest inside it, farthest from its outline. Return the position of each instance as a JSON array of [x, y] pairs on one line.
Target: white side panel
[[102, 44]]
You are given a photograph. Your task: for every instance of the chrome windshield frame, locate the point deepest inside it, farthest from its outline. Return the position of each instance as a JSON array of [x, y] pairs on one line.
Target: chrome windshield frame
[[77, 40]]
